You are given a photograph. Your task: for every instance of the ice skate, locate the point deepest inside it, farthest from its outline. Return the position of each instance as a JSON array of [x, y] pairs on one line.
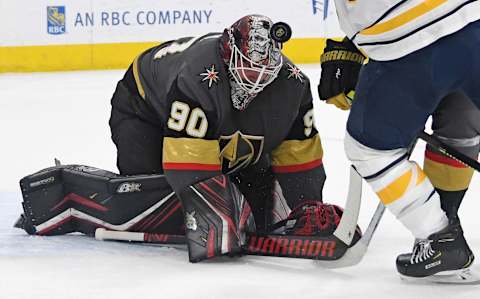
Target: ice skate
[[442, 258]]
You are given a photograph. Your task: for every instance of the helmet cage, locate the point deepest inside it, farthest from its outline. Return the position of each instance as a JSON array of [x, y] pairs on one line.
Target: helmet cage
[[242, 69]]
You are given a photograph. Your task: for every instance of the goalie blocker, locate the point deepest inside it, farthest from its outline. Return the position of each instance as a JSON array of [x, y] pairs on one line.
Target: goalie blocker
[[215, 216]]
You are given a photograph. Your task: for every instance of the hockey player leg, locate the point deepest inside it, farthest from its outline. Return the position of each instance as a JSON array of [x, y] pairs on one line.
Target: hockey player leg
[[455, 123], [77, 198], [401, 185], [406, 191], [214, 211], [380, 128]]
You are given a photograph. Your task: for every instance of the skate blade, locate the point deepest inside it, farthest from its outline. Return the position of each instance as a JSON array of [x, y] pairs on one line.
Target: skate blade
[[462, 276]]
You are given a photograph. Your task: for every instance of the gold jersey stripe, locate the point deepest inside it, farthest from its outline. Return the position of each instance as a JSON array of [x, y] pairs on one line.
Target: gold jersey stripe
[[403, 18], [396, 189], [191, 150], [294, 152], [137, 78], [447, 177]]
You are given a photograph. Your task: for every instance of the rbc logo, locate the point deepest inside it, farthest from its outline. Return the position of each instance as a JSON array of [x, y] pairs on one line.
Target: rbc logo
[[320, 7], [56, 19]]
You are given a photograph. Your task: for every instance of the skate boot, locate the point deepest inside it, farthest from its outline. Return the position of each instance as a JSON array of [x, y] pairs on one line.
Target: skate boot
[[441, 253], [451, 201]]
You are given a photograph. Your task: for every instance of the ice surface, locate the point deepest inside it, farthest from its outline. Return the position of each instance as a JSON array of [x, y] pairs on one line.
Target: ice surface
[[65, 115]]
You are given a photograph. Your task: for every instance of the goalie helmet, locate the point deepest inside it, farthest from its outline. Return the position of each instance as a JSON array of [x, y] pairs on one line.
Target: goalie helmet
[[252, 57]]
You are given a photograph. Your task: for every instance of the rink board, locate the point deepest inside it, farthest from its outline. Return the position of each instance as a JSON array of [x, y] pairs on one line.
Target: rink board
[[115, 55], [108, 34]]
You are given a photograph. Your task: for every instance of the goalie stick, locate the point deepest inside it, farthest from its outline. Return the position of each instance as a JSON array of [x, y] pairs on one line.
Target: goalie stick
[[309, 247], [332, 251], [103, 234], [355, 254]]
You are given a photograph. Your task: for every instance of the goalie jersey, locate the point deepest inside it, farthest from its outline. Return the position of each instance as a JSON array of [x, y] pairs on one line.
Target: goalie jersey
[[183, 85], [390, 29]]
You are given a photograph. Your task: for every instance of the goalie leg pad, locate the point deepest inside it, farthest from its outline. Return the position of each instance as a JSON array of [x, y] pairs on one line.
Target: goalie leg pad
[[78, 198], [214, 213]]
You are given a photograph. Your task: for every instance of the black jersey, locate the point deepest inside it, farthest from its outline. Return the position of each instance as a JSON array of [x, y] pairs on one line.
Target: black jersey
[[185, 86]]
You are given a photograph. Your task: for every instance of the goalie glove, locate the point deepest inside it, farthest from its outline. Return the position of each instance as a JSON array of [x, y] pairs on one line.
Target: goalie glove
[[341, 63], [314, 218]]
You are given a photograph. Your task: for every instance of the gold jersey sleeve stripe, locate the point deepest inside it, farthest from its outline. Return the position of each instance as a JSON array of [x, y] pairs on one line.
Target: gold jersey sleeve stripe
[[403, 18], [296, 152], [190, 151], [136, 75], [448, 177]]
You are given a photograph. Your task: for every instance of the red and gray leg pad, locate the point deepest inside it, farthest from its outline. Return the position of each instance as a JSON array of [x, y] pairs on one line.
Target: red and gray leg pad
[[215, 217], [78, 198]]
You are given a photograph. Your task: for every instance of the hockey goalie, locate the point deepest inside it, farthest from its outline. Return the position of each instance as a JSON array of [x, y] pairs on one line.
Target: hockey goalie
[[215, 138]]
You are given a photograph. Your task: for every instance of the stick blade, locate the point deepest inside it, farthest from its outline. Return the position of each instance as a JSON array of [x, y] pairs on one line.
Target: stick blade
[[355, 254], [352, 257]]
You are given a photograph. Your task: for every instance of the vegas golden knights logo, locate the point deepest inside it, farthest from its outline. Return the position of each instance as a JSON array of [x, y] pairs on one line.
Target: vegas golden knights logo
[[238, 151]]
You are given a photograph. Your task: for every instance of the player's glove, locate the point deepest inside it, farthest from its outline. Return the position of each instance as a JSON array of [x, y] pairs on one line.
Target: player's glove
[[341, 63]]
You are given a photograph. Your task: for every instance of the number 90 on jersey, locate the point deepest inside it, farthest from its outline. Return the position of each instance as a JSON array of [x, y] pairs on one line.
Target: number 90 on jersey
[[193, 121]]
